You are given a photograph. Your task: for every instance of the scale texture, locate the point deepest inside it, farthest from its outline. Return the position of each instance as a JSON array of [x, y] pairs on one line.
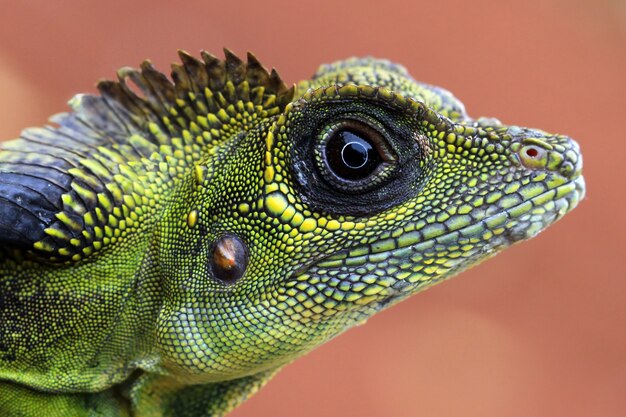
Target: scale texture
[[168, 245]]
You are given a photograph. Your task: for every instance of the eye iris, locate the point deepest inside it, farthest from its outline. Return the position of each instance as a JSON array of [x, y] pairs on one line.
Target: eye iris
[[351, 155]]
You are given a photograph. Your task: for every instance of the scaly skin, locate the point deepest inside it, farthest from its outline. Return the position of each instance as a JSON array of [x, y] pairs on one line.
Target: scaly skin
[[164, 253]]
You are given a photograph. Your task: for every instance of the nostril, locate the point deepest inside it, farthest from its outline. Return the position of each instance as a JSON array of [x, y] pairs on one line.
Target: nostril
[[533, 156], [532, 152], [556, 153]]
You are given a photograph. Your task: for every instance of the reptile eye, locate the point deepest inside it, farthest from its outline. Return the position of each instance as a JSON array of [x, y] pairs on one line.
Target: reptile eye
[[354, 154], [351, 154]]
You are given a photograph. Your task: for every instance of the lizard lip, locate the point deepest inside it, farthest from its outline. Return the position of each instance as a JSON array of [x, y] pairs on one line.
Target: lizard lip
[[568, 197], [374, 277], [554, 203]]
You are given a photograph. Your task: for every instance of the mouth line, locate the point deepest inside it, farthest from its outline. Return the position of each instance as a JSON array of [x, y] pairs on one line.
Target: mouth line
[[560, 200]]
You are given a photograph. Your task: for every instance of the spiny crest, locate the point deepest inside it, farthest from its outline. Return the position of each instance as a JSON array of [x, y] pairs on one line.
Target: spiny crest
[[106, 166], [199, 88]]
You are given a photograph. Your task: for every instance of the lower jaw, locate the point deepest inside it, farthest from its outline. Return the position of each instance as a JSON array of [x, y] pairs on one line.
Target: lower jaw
[[571, 194], [537, 218], [426, 263]]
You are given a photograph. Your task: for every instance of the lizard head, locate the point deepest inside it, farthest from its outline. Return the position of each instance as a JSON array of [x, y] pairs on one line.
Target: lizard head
[[365, 188]]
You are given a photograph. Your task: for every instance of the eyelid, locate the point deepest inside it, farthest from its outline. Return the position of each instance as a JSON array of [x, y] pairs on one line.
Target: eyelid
[[363, 122]]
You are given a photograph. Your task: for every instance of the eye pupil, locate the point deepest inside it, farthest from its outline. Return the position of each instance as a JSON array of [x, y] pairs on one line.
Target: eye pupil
[[351, 155], [356, 152]]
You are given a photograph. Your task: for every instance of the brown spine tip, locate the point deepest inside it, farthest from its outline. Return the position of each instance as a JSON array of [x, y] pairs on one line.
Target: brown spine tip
[[208, 58], [286, 96], [183, 55], [196, 71], [235, 67], [215, 70], [276, 82], [253, 60]]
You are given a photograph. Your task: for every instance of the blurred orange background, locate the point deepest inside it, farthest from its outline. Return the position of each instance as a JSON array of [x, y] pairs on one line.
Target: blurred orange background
[[538, 331]]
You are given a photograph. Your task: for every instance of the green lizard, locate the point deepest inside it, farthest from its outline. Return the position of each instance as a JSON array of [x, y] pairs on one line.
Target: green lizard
[[166, 247]]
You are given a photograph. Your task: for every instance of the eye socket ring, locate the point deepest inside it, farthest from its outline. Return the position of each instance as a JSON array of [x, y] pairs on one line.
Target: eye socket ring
[[354, 154]]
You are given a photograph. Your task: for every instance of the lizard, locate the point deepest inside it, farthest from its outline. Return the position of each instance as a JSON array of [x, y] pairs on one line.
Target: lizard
[[170, 243]]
